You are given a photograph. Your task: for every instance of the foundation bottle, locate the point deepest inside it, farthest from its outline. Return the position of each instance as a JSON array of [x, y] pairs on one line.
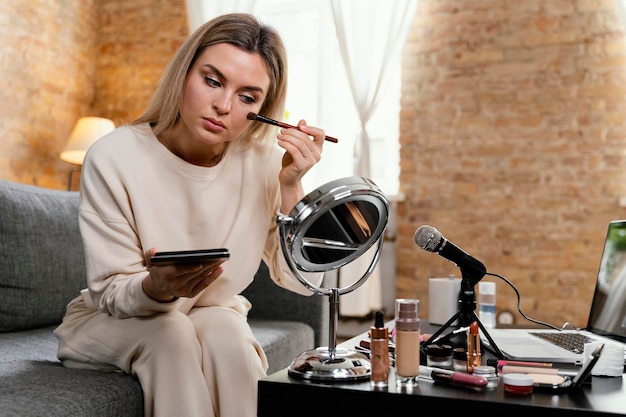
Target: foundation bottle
[[407, 333]]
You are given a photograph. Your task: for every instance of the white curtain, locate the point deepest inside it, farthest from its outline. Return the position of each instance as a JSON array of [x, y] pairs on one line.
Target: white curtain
[[621, 8], [371, 39], [201, 11]]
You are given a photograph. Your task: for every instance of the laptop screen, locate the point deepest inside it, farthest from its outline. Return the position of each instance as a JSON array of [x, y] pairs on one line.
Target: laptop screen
[[607, 316]]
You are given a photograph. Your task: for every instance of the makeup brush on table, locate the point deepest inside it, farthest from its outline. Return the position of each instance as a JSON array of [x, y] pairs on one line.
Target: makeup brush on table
[[259, 118]]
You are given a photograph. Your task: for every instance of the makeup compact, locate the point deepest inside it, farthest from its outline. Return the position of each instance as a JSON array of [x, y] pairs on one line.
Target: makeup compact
[[557, 382]]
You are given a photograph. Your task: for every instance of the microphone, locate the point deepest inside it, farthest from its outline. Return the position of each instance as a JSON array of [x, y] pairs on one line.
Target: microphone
[[430, 239]]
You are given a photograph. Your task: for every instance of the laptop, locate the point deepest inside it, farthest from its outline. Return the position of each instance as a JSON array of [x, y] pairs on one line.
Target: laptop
[[607, 315]]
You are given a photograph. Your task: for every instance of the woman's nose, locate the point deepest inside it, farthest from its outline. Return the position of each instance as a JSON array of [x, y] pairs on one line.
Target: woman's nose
[[222, 103]]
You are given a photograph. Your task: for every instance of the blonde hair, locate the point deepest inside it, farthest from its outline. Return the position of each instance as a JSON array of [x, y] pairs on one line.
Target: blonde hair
[[242, 30]]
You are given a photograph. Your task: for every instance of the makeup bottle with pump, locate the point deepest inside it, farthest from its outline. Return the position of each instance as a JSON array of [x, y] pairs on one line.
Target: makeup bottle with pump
[[379, 353], [407, 341], [473, 347]]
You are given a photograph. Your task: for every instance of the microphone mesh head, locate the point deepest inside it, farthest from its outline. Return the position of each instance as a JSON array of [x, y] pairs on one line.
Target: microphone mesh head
[[428, 238]]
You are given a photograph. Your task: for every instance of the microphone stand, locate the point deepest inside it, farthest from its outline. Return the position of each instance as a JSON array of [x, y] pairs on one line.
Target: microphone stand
[[466, 313]]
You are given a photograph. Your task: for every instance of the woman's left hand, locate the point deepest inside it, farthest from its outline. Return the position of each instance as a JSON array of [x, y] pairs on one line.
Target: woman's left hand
[[301, 154]]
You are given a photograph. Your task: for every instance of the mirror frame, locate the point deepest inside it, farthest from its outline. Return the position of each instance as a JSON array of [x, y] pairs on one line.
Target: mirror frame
[[329, 228], [328, 203]]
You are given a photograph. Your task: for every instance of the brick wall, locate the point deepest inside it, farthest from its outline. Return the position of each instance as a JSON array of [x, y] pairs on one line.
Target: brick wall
[[48, 68], [513, 144], [136, 40], [512, 125], [65, 59]]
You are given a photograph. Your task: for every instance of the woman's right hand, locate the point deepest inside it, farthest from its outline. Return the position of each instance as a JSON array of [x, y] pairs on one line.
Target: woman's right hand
[[166, 283]]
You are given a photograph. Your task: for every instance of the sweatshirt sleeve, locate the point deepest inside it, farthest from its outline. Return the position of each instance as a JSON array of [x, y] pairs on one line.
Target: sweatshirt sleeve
[[113, 254], [281, 272], [273, 254], [115, 272]]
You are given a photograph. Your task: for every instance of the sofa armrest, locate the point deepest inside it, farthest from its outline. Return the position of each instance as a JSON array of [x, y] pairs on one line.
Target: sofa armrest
[[43, 264], [269, 301]]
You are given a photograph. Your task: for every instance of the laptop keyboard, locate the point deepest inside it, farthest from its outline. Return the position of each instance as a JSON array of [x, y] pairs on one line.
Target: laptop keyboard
[[574, 342]]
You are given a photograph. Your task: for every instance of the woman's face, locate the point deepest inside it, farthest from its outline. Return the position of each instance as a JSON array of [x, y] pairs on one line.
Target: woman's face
[[222, 87]]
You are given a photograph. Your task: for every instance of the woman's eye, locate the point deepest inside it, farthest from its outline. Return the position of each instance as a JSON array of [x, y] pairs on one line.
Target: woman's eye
[[248, 99], [212, 82]]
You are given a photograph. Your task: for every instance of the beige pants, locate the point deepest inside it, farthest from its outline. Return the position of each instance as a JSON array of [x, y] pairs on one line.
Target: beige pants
[[206, 363]]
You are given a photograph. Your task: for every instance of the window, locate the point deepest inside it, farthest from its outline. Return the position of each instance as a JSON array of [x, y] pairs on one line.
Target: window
[[319, 92]]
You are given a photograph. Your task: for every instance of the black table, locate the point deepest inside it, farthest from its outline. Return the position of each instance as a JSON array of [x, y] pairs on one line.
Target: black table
[[283, 395]]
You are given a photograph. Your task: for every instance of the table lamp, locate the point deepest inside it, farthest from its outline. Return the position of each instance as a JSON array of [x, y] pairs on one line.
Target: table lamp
[[86, 131]]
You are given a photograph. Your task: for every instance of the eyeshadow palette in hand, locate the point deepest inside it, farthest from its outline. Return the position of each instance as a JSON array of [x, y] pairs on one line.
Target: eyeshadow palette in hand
[[186, 256]]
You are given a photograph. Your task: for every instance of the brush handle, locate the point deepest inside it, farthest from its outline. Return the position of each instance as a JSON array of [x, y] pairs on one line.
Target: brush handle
[[284, 125]]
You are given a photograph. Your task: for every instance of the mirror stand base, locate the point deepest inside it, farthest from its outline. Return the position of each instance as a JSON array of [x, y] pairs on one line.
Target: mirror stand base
[[322, 364]]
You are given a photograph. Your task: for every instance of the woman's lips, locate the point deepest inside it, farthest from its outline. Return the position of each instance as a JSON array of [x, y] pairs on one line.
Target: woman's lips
[[213, 125]]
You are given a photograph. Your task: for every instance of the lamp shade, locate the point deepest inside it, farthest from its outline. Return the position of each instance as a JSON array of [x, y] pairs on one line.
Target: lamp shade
[[84, 134]]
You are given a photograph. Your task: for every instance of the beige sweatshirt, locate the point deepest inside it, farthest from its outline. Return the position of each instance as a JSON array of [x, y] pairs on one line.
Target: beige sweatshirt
[[136, 194]]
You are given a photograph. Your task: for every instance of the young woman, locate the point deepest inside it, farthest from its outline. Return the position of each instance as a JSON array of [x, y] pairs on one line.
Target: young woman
[[192, 172]]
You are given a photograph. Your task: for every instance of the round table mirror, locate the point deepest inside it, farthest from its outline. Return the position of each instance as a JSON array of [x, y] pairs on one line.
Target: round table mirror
[[329, 228]]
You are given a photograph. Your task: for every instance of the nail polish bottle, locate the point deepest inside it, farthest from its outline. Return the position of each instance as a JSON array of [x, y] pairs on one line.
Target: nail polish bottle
[[379, 353], [407, 342]]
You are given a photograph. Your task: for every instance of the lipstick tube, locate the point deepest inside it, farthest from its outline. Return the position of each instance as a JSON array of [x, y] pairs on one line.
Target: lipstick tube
[[379, 352], [473, 347]]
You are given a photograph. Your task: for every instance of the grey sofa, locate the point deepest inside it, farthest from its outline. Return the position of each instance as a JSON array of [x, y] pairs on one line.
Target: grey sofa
[[42, 269]]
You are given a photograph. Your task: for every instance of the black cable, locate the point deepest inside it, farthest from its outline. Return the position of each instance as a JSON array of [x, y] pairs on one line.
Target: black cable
[[519, 300]]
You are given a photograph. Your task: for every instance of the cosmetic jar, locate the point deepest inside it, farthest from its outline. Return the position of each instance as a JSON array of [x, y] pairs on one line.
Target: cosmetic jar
[[459, 359], [519, 384], [489, 373], [439, 356]]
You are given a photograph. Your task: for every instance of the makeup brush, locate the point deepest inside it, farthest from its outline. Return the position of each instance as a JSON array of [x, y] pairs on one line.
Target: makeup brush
[[259, 118]]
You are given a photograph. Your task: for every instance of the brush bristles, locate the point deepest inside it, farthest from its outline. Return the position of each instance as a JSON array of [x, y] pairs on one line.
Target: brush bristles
[[251, 116]]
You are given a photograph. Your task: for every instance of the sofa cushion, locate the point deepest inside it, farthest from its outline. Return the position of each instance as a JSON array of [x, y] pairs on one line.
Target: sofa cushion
[[282, 340], [271, 302], [43, 264], [34, 383]]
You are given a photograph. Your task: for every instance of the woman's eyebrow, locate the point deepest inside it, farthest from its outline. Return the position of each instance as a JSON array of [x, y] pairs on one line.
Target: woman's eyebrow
[[223, 77]]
